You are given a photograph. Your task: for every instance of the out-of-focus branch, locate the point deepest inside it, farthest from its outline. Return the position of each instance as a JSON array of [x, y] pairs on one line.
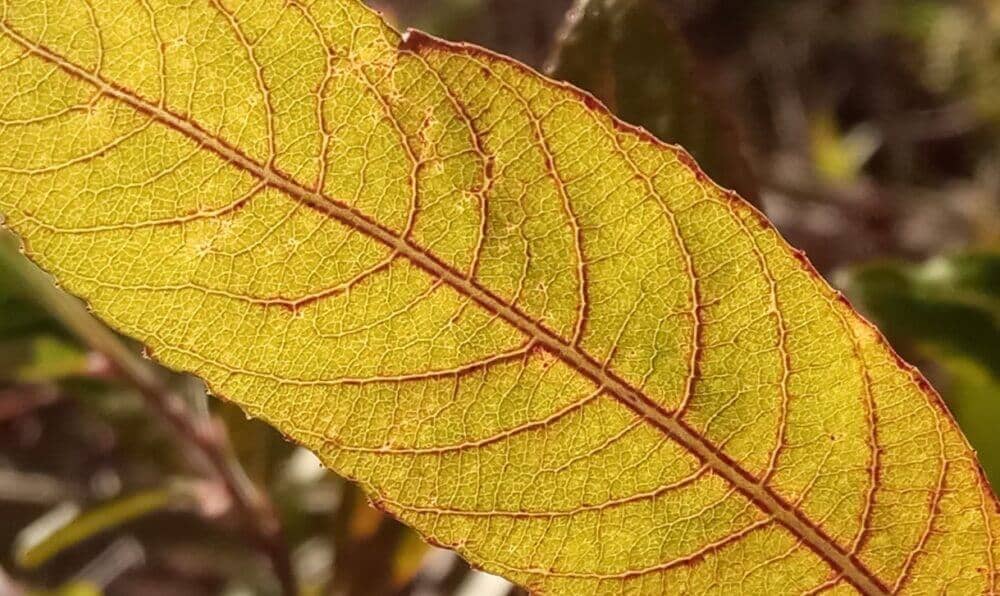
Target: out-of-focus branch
[[204, 437]]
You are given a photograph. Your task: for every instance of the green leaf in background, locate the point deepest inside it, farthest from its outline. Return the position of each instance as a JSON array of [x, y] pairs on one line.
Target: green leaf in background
[[974, 396], [946, 310], [957, 48], [951, 304], [449, 17], [632, 58], [75, 529], [33, 346], [40, 358]]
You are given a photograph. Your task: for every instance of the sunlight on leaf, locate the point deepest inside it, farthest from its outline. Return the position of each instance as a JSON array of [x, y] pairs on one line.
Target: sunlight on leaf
[[534, 333]]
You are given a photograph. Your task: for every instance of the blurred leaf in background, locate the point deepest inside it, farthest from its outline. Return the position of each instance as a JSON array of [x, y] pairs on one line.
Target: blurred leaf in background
[[38, 544], [33, 347], [633, 59], [949, 305], [958, 51]]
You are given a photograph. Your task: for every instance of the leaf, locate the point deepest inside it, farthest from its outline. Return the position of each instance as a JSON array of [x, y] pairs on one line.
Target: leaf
[[72, 588], [534, 333]]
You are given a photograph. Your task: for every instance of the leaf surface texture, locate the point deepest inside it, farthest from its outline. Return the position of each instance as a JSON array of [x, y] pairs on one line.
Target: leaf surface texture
[[532, 332]]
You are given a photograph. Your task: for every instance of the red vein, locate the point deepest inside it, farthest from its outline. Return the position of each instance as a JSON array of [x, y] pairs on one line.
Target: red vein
[[871, 414], [990, 541], [321, 94], [371, 324], [161, 53], [265, 92], [786, 365], [168, 221], [694, 363], [685, 560], [521, 514], [935, 510], [874, 465], [416, 163], [482, 189], [476, 443], [823, 587], [79, 159], [789, 516], [455, 372], [295, 303], [552, 173]]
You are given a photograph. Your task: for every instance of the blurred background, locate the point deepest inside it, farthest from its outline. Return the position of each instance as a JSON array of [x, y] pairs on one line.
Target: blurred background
[[867, 130]]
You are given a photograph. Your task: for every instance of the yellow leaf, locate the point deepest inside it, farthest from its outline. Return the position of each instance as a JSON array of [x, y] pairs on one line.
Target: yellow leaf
[[532, 332]]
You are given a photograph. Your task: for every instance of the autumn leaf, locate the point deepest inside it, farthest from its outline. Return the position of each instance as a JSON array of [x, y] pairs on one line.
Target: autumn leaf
[[534, 333]]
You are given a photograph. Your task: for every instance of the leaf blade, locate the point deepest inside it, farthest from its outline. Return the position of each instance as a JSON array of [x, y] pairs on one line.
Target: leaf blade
[[562, 334]]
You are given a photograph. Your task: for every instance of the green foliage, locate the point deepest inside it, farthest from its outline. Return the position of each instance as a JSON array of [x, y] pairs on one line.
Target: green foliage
[[950, 304]]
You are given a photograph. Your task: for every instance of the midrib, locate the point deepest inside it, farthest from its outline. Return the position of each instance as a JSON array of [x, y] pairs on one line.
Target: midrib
[[765, 498]]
